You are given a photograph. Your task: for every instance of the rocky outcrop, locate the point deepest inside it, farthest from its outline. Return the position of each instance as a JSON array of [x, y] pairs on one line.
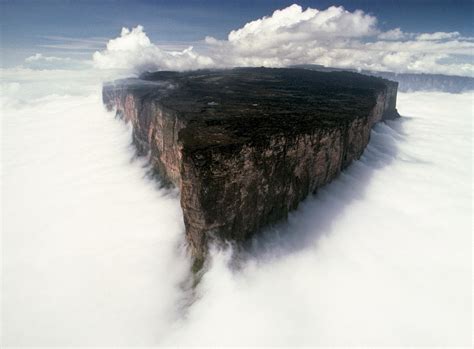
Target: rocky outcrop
[[245, 146]]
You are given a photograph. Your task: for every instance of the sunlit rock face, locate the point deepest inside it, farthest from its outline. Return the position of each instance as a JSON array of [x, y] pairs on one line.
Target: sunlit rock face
[[245, 146]]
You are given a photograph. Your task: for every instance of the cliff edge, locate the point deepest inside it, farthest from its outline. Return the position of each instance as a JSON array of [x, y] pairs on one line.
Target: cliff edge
[[246, 145]]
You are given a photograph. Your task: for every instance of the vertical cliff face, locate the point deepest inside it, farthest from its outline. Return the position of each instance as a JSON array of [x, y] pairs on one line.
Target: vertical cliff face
[[243, 189], [246, 146], [155, 128]]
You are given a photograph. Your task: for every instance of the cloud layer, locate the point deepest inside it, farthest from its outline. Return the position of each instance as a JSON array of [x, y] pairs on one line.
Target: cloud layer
[[88, 241], [91, 248], [333, 37]]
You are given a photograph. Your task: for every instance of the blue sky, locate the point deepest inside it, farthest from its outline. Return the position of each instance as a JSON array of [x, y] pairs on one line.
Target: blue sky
[[76, 29]]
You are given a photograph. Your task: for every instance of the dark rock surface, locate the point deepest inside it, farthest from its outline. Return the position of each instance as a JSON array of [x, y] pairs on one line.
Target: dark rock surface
[[246, 145]]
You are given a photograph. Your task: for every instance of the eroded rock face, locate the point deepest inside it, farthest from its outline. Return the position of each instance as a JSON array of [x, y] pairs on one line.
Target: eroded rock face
[[245, 146]]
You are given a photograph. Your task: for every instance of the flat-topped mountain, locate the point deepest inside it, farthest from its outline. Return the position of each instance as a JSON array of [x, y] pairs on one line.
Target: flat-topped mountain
[[246, 145]]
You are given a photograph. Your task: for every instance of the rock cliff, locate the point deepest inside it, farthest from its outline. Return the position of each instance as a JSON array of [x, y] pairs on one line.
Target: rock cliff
[[246, 145]]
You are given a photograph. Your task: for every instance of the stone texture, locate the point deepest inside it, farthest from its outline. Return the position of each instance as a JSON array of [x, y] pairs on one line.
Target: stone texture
[[246, 145]]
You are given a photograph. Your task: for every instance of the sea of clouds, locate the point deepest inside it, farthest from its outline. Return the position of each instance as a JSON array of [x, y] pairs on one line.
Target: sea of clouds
[[93, 251]]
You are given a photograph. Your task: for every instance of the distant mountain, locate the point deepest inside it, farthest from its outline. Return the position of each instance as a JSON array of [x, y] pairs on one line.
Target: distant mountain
[[412, 82]]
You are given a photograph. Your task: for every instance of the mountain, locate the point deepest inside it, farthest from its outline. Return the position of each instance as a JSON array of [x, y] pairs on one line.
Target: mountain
[[246, 145]]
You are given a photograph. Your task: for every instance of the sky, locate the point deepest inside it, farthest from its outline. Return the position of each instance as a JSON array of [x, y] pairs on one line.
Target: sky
[[76, 29]]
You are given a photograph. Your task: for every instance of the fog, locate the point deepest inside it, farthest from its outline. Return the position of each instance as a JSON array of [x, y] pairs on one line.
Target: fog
[[93, 250]]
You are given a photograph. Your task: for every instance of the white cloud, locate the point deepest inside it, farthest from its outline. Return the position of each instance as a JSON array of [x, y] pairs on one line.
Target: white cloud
[[78, 271], [295, 24], [39, 57], [339, 38], [39, 61], [133, 51], [437, 36], [71, 45], [291, 36], [333, 37], [394, 34]]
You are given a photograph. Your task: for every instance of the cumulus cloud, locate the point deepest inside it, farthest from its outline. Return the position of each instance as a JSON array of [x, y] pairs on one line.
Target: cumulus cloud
[[339, 38], [134, 51], [332, 37], [394, 34], [295, 24]]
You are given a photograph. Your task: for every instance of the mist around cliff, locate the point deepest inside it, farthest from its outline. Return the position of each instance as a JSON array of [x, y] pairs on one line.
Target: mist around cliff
[[88, 241], [93, 250], [379, 257]]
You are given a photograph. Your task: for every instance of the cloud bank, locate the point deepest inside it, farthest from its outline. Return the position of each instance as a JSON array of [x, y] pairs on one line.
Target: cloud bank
[[88, 241], [333, 37], [92, 249]]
